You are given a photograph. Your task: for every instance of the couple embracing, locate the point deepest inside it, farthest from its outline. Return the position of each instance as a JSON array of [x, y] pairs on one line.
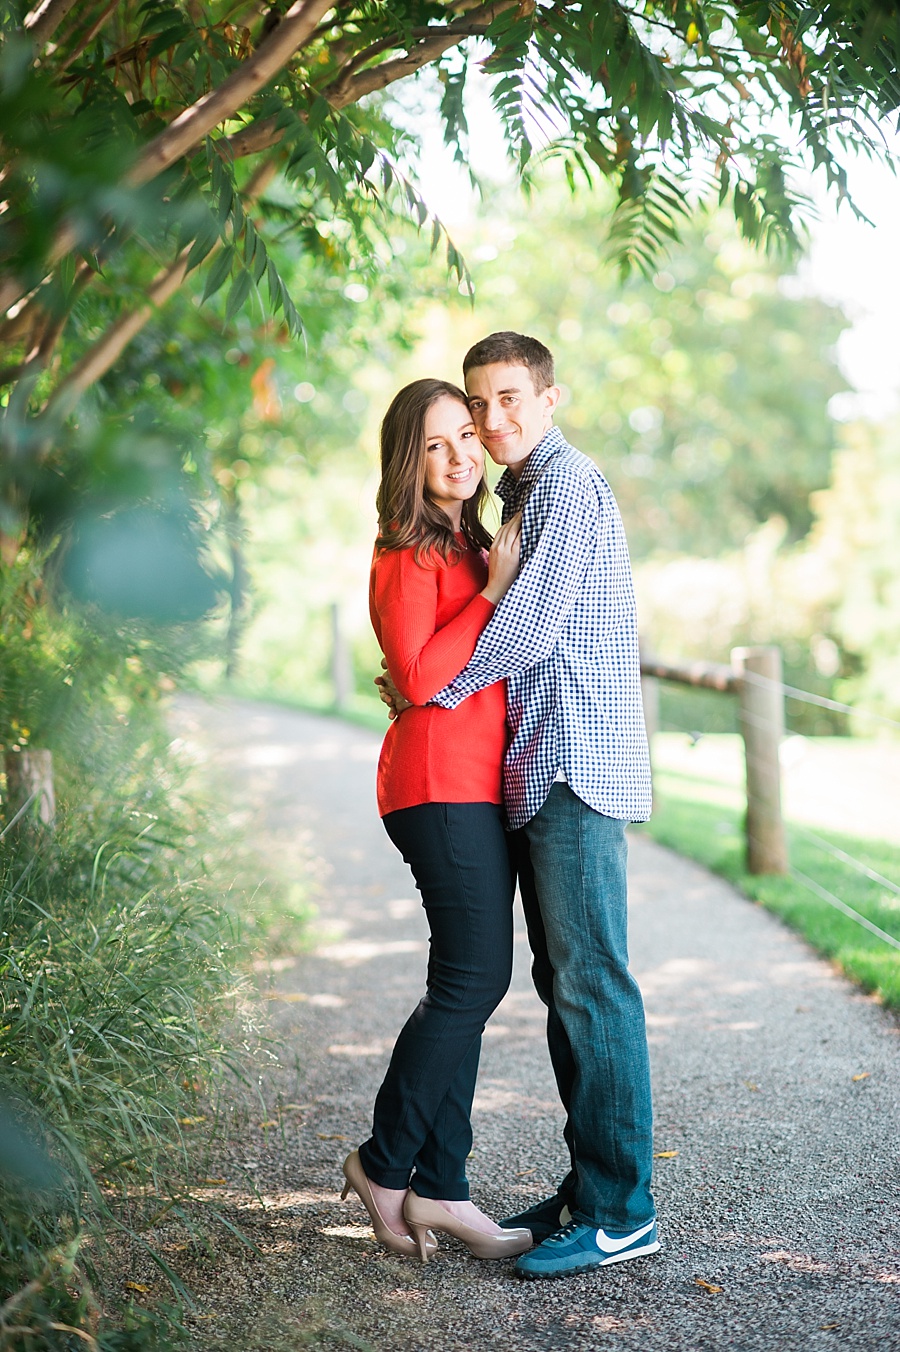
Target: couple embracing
[[517, 751]]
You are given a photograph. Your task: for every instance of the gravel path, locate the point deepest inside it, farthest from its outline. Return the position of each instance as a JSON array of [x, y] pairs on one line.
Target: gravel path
[[776, 1098]]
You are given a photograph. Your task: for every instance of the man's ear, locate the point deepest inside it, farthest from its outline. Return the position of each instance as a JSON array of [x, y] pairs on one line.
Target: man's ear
[[551, 398]]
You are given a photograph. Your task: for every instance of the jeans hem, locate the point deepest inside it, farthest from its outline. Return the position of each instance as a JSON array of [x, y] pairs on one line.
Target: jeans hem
[[450, 1192], [397, 1179], [614, 1227]]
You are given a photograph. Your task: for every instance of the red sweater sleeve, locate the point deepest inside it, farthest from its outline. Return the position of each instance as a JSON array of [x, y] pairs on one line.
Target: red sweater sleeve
[[421, 658]]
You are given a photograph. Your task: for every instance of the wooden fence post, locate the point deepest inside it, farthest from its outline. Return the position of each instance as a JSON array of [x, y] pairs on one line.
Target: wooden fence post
[[29, 776], [341, 669], [761, 704]]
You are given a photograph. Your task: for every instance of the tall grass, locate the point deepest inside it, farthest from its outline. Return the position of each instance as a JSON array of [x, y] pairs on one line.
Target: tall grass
[[116, 976], [118, 953]]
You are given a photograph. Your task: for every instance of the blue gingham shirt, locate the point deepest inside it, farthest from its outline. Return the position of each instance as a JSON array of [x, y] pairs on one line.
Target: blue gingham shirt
[[565, 638]]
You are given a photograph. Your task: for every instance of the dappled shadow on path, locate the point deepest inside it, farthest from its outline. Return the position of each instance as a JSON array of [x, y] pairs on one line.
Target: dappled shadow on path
[[774, 1082]]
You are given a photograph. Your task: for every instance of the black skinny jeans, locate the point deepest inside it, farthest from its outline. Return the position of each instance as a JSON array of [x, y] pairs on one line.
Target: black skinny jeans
[[421, 1132]]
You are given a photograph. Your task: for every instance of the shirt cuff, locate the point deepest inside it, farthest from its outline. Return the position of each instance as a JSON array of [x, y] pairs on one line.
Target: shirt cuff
[[451, 696]]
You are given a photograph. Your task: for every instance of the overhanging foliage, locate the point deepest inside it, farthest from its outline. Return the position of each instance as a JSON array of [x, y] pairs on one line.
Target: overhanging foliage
[[141, 141]]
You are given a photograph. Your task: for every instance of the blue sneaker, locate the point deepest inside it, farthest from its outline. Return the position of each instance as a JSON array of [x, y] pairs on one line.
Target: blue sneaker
[[578, 1248], [543, 1219]]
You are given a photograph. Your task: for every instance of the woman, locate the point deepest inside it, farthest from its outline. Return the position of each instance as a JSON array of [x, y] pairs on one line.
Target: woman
[[433, 589]]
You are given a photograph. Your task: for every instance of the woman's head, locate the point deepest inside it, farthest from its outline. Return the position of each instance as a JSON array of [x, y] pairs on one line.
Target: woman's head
[[431, 462]]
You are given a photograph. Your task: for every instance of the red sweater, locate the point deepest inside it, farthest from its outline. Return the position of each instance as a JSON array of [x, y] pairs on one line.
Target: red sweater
[[428, 620]]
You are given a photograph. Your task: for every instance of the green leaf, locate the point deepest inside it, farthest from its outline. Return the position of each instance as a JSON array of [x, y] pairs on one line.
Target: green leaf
[[218, 272], [204, 243], [260, 261], [238, 294], [319, 112], [294, 322], [170, 38], [276, 287]]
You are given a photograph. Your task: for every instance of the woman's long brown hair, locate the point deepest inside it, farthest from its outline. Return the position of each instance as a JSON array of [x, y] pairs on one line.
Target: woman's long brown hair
[[406, 515]]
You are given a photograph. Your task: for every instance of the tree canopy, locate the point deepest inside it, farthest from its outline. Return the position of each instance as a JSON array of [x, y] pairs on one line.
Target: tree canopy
[[150, 131]]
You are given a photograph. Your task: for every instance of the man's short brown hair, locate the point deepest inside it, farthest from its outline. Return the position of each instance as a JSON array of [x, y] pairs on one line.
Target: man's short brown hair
[[513, 349]]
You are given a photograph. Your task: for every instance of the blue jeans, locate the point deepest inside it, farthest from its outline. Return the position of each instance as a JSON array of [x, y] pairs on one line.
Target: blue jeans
[[421, 1130], [571, 863]]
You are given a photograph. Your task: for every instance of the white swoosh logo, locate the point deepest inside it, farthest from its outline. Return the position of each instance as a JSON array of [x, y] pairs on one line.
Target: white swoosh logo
[[609, 1245]]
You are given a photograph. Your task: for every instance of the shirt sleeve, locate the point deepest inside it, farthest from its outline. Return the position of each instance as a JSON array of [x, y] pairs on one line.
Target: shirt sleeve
[[421, 658], [562, 526]]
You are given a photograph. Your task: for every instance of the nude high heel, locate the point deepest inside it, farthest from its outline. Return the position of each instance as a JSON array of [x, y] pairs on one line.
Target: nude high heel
[[356, 1179], [422, 1215]]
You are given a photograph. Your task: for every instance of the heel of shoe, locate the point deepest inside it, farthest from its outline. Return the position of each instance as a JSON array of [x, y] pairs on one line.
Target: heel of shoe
[[346, 1189], [421, 1236]]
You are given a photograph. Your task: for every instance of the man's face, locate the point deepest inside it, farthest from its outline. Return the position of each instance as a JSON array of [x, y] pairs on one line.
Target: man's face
[[509, 416]]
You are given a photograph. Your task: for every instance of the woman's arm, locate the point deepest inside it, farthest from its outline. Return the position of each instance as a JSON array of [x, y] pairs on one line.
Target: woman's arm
[[421, 658]]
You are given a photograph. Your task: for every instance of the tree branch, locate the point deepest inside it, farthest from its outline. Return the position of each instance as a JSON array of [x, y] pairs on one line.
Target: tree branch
[[88, 37], [341, 92], [45, 18], [348, 87], [189, 128], [299, 23], [258, 136], [345, 91], [44, 329], [107, 349]]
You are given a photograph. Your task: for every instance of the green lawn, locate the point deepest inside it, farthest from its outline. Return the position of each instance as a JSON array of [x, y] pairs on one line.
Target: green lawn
[[700, 818]]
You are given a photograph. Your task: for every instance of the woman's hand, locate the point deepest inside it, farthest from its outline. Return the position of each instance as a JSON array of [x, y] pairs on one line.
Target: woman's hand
[[503, 560], [389, 694]]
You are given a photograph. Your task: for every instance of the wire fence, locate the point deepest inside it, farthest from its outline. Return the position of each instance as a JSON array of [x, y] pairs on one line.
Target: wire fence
[[821, 701], [21, 812], [725, 680]]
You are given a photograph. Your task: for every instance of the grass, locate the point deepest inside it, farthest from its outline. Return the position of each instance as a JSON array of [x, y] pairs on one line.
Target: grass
[[120, 1004], [711, 832]]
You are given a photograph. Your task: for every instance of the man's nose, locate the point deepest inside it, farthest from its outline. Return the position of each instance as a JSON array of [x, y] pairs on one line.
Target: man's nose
[[492, 416]]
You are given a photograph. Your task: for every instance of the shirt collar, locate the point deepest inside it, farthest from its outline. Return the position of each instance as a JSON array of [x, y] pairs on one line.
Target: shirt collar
[[510, 489]]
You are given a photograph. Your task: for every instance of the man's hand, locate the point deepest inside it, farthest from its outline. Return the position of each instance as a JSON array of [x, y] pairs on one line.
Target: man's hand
[[389, 694]]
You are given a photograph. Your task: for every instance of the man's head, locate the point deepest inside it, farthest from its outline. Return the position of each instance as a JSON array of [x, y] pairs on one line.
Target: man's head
[[510, 383]]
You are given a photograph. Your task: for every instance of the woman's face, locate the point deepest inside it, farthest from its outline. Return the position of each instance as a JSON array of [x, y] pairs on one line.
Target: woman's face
[[454, 457]]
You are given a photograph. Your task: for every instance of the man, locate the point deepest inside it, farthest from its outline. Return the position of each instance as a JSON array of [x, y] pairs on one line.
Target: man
[[577, 771]]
